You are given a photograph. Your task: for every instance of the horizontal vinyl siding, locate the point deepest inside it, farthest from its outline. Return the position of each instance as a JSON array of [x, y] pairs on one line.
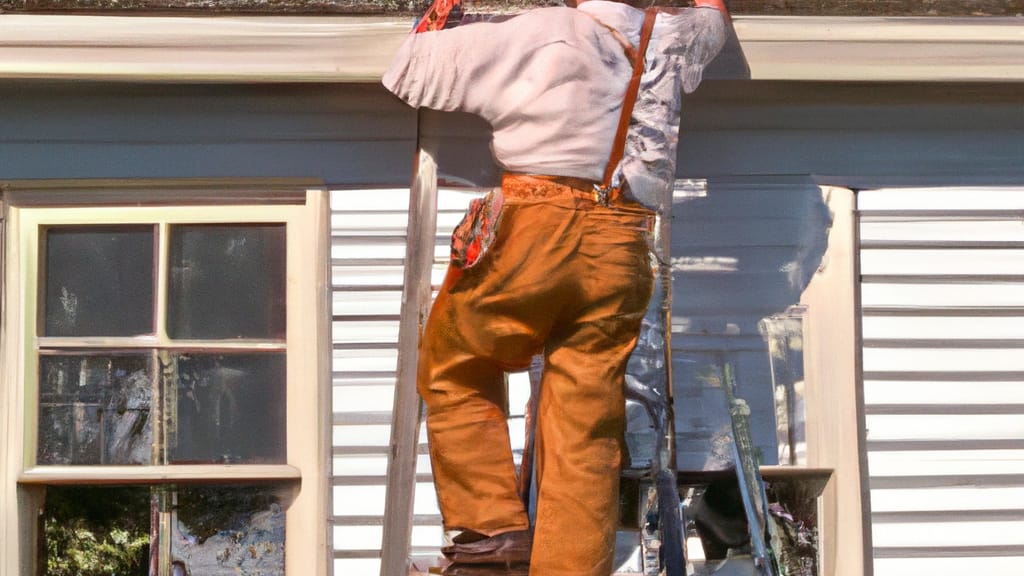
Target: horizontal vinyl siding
[[943, 328], [368, 236]]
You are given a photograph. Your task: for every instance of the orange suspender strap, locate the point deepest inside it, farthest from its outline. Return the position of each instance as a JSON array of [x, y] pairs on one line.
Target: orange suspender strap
[[628, 101], [436, 16]]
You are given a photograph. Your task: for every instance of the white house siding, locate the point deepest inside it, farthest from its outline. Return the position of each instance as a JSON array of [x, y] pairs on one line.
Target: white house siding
[[368, 242], [942, 285]]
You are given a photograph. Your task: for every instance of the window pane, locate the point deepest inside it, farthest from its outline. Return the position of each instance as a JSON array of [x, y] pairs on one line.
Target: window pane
[[99, 281], [95, 409], [96, 531], [229, 530], [211, 530], [225, 408], [227, 281]]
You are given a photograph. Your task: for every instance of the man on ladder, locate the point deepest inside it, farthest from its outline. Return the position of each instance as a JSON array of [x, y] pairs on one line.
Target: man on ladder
[[585, 107]]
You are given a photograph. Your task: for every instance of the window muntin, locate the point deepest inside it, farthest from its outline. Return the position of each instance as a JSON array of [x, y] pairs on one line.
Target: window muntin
[[181, 400]]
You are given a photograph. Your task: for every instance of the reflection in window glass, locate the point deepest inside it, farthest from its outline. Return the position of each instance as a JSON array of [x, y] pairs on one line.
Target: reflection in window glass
[[225, 408], [226, 531], [227, 281], [95, 409], [96, 531], [206, 530], [99, 281]]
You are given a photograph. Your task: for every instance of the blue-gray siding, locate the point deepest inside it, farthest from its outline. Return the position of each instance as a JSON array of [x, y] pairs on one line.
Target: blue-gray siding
[[743, 249]]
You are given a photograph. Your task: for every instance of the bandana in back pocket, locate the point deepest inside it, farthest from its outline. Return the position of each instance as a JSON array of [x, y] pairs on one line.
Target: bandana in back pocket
[[477, 230]]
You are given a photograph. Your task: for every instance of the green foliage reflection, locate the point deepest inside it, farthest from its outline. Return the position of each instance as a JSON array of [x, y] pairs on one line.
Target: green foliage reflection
[[96, 531]]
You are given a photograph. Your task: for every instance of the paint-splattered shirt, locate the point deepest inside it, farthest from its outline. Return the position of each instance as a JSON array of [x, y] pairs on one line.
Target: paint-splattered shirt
[[551, 83]]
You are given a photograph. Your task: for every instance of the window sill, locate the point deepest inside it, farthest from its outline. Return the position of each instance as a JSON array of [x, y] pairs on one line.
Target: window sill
[[159, 474]]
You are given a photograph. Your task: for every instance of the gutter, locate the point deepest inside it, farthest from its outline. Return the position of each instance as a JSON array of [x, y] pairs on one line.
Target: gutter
[[337, 49]]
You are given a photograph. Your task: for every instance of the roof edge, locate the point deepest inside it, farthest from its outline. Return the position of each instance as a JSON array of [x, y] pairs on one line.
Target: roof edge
[[229, 49]]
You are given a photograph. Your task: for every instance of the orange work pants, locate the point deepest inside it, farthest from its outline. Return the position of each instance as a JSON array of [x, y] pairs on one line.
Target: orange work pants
[[569, 278]]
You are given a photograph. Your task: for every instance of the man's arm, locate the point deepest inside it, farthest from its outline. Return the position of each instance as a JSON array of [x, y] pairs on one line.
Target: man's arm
[[448, 69], [716, 4], [701, 34]]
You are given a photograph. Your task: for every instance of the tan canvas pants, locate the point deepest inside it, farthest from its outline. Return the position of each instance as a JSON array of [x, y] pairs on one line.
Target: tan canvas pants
[[570, 278]]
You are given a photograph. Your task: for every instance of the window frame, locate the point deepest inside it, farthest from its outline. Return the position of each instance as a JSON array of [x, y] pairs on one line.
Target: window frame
[[306, 344]]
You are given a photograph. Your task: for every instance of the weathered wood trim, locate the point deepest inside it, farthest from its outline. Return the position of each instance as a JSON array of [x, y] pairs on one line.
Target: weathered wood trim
[[882, 49], [358, 49], [319, 246], [199, 49], [835, 425], [156, 192], [416, 292], [119, 475]]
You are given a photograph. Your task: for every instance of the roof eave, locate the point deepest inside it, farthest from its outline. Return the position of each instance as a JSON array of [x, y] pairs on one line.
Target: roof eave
[[357, 49]]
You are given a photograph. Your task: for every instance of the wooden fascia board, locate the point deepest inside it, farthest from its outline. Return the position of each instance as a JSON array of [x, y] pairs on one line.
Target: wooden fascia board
[[199, 49], [357, 49], [883, 49]]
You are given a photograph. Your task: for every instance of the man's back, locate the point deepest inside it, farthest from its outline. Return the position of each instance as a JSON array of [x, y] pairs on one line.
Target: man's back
[[550, 82]]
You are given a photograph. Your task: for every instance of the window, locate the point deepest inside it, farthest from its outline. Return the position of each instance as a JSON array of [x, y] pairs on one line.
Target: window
[[168, 406]]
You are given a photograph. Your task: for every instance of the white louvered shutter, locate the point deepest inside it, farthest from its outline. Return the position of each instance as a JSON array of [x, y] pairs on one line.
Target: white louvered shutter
[[942, 289], [367, 255]]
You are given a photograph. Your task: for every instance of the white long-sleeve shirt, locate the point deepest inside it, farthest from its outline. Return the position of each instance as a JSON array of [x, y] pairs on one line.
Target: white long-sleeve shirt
[[551, 83]]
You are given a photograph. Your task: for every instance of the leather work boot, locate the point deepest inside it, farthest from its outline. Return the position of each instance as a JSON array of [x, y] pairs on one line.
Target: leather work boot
[[508, 548]]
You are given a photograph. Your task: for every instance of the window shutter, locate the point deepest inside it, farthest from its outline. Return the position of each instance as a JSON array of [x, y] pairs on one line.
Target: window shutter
[[368, 246], [942, 289]]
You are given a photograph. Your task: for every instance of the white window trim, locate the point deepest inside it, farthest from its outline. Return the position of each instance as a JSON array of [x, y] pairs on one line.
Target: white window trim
[[834, 413], [308, 417]]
